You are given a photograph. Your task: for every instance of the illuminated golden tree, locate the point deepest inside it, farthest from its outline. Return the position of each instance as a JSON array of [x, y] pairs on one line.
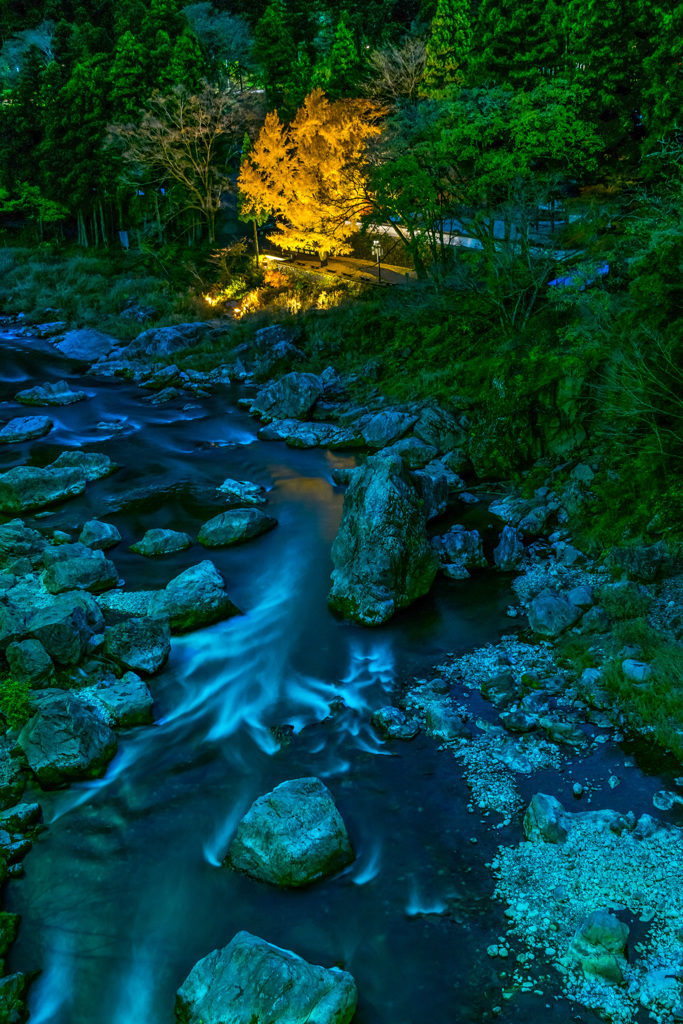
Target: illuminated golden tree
[[311, 175]]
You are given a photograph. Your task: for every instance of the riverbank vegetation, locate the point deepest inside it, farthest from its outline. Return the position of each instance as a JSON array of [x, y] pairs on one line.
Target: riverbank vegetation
[[144, 145]]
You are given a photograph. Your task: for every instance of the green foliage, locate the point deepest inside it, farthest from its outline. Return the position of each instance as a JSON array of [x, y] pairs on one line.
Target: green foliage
[[448, 48], [342, 73], [274, 51], [15, 702], [624, 600], [656, 704], [518, 43]]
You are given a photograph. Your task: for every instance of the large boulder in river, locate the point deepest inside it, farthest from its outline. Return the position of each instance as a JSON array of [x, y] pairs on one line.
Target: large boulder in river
[[11, 625], [292, 836], [93, 465], [252, 982], [142, 645], [432, 485], [291, 397], [382, 557], [550, 614], [66, 740], [50, 394], [25, 428], [235, 527]]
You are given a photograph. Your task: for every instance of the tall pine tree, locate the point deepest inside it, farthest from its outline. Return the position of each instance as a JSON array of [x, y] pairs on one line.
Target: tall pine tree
[[448, 48], [343, 70], [274, 51]]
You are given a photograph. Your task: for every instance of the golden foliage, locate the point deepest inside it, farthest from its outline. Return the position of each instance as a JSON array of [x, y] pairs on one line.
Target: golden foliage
[[311, 175]]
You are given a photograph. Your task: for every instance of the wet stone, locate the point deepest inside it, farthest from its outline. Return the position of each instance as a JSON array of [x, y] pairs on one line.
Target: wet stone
[[141, 644], [392, 724], [99, 536], [161, 542], [292, 836], [253, 982], [29, 662], [25, 428], [235, 527]]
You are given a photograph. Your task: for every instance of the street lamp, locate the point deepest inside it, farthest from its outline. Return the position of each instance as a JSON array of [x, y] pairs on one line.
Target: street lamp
[[378, 252]]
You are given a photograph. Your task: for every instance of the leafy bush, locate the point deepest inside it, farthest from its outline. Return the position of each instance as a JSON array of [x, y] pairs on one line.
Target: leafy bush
[[15, 702], [623, 600]]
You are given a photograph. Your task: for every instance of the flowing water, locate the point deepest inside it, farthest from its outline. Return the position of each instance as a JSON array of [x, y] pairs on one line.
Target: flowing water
[[125, 891]]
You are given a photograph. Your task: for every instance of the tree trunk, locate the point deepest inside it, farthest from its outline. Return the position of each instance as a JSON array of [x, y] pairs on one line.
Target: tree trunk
[[256, 243]]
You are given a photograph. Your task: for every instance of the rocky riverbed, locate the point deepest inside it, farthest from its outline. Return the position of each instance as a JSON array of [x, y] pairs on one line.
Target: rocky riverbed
[[163, 563]]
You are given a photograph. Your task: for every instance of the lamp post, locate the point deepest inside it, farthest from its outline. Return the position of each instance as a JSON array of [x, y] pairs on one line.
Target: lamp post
[[378, 252]]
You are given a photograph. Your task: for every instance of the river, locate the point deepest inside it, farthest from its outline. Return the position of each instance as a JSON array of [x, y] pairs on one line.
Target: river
[[125, 890]]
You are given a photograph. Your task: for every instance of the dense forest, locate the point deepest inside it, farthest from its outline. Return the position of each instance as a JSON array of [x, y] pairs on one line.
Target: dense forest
[[549, 139]]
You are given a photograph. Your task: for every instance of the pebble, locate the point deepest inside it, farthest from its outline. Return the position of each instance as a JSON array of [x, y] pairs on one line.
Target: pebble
[[577, 789], [614, 781]]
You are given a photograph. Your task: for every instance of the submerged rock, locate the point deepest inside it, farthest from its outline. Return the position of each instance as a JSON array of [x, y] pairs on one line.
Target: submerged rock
[[25, 428], [50, 394], [382, 558], [235, 527], [292, 836], [66, 740], [252, 982]]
